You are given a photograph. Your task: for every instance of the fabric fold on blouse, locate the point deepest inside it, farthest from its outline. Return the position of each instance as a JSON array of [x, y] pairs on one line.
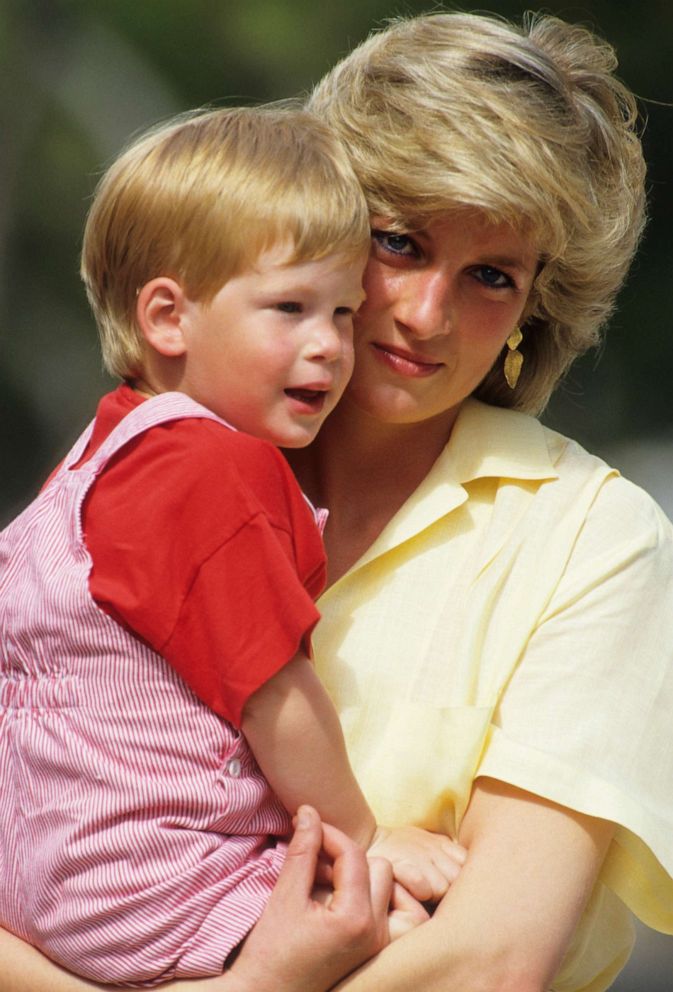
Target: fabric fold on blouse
[[515, 620]]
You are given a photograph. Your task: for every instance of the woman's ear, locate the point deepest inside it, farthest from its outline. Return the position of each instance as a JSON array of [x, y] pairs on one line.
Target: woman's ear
[[160, 312]]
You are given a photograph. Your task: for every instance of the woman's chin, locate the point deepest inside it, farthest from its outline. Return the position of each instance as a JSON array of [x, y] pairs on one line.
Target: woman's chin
[[391, 404]]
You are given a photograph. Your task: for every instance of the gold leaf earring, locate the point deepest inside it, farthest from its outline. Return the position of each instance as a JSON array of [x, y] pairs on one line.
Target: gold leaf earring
[[513, 358]]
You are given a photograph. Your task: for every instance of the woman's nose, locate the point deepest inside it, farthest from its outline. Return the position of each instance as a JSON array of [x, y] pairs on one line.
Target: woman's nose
[[426, 304]]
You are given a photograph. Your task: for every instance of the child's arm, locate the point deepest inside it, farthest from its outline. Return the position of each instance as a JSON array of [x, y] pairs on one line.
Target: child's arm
[[295, 735]]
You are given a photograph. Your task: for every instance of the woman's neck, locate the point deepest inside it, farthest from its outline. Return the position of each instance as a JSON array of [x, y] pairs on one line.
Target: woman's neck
[[363, 471]]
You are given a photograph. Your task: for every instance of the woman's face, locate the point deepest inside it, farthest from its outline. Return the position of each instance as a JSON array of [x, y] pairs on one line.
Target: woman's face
[[441, 303]]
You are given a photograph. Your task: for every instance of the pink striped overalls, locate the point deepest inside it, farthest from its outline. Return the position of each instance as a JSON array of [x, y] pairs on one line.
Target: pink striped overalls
[[134, 821]]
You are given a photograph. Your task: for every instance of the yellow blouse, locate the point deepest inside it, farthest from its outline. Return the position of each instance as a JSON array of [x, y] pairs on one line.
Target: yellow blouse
[[515, 619]]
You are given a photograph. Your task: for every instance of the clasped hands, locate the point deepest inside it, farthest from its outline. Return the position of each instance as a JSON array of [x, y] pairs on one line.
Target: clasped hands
[[335, 906], [423, 866], [423, 863]]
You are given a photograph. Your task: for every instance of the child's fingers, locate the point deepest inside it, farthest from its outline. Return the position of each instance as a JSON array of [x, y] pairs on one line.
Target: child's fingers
[[452, 849], [425, 863], [448, 857], [425, 881], [447, 866]]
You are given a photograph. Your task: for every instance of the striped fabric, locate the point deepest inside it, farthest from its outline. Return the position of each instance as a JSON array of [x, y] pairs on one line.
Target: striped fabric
[[134, 822]]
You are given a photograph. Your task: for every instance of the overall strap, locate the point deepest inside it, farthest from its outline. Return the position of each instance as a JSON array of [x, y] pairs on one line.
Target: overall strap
[[161, 409], [78, 449]]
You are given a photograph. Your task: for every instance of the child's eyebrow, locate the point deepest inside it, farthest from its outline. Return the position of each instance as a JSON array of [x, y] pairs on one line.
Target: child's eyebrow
[[284, 282]]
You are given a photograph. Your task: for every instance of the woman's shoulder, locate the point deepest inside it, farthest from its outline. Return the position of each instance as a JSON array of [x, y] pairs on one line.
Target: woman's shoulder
[[619, 502], [570, 489]]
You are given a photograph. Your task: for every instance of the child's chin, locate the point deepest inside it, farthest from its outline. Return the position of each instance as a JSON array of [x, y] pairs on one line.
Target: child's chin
[[300, 438]]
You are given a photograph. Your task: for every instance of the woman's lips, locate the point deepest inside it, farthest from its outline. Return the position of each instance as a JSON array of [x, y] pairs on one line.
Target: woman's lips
[[405, 362]]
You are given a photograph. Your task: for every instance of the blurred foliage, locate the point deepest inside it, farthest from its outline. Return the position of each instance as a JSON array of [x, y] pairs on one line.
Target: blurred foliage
[[79, 77]]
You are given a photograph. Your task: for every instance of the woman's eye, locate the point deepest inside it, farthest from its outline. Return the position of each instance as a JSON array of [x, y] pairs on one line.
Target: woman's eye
[[492, 277], [395, 244], [289, 306]]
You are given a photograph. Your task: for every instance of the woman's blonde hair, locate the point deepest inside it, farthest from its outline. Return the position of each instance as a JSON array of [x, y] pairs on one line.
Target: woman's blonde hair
[[201, 197], [528, 125]]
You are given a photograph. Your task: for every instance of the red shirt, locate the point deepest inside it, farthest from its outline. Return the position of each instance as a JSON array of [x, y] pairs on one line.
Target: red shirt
[[205, 548]]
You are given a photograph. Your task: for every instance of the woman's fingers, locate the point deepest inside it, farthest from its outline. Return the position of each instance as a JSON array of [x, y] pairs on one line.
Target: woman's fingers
[[296, 879], [381, 886], [360, 885], [306, 940], [405, 913]]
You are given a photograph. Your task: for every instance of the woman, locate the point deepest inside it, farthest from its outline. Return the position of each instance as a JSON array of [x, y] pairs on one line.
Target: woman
[[497, 636]]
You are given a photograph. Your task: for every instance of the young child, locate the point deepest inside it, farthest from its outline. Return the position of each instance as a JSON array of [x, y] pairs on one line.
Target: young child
[[161, 719]]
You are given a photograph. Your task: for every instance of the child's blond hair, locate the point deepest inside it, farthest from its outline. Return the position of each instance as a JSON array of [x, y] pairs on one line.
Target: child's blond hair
[[201, 197]]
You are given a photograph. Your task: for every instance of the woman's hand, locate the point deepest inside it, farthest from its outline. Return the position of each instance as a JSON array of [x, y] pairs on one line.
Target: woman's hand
[[405, 913], [304, 941], [424, 863], [299, 944]]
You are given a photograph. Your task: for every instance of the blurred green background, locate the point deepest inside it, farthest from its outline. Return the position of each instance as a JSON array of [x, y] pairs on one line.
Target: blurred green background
[[78, 77]]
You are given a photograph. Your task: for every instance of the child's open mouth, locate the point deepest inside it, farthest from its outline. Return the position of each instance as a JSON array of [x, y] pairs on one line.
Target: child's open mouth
[[308, 400]]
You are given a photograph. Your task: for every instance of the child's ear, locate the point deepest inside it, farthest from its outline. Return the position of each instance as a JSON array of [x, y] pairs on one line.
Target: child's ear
[[160, 312]]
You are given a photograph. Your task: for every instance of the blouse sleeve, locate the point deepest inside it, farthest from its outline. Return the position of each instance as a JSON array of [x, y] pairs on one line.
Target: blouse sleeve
[[587, 718]]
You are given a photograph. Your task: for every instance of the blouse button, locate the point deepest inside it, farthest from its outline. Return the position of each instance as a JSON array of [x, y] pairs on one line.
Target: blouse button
[[234, 767]]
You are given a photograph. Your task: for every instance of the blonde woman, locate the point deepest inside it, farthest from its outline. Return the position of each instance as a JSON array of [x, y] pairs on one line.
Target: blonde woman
[[497, 636]]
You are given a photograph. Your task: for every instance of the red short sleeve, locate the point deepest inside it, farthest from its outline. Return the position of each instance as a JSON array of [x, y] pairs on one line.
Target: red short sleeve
[[205, 548], [248, 615]]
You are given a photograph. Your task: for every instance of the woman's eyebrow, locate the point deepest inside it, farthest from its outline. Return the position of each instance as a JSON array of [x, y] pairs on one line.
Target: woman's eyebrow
[[511, 262]]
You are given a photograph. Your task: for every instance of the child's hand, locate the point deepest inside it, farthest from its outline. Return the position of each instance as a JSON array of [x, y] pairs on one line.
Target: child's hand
[[424, 863]]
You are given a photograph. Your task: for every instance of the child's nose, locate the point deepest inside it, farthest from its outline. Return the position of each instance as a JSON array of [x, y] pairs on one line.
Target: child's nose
[[327, 342]]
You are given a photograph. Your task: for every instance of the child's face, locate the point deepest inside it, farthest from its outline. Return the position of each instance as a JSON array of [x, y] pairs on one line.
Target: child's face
[[273, 352]]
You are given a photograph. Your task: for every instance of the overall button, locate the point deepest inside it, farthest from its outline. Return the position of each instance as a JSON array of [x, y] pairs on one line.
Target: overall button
[[234, 767]]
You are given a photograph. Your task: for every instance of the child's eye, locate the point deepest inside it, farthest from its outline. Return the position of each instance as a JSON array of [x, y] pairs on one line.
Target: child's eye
[[348, 311], [493, 278], [395, 243], [289, 306]]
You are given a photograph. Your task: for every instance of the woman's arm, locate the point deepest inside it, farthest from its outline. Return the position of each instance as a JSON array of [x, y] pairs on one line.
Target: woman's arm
[[298, 945], [507, 920]]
